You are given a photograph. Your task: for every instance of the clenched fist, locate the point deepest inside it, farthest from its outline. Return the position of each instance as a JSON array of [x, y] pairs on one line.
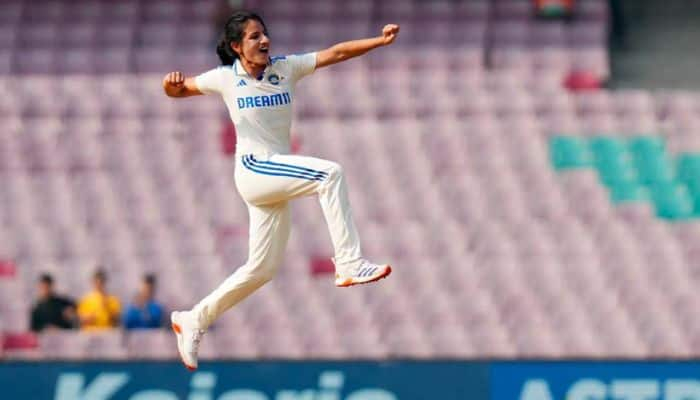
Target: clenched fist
[[174, 80], [389, 33]]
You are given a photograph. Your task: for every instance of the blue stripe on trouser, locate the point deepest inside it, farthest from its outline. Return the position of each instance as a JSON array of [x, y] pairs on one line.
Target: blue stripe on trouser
[[290, 166], [259, 166], [285, 167], [265, 170]]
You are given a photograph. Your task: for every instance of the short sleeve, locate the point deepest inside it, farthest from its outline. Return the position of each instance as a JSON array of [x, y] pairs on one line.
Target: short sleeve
[[210, 82], [302, 64]]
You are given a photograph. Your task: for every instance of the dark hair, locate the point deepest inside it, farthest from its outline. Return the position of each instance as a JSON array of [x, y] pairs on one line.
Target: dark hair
[[233, 33], [149, 279], [46, 279], [101, 275]]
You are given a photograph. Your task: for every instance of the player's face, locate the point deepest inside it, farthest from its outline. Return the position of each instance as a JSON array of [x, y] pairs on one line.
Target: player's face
[[255, 45]]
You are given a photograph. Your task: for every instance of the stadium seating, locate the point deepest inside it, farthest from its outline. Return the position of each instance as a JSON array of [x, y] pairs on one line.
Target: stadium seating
[[636, 169], [518, 215]]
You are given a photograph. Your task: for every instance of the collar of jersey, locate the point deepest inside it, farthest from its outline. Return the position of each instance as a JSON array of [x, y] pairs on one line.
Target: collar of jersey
[[240, 71]]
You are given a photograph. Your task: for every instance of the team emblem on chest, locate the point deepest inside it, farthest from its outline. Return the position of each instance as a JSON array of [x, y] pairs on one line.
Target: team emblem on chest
[[274, 79]]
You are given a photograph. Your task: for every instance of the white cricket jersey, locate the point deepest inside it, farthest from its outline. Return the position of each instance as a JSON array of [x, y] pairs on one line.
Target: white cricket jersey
[[261, 109]]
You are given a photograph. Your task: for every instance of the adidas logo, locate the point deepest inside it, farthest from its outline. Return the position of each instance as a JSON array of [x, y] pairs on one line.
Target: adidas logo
[[242, 83], [367, 271]]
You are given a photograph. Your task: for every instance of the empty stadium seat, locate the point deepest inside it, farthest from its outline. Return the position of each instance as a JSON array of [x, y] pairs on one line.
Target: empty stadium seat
[[569, 152]]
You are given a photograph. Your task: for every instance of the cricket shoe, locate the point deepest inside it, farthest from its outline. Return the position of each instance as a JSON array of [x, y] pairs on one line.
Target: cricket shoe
[[189, 335], [364, 272]]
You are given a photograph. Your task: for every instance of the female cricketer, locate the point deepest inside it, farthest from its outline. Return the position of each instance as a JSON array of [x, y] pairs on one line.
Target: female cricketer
[[258, 91]]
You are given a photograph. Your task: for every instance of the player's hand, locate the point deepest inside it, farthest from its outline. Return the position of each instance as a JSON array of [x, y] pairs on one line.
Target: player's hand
[[174, 80], [389, 33]]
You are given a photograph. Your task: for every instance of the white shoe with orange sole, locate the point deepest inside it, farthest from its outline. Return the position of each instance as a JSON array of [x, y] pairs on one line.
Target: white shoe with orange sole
[[189, 335], [364, 272]]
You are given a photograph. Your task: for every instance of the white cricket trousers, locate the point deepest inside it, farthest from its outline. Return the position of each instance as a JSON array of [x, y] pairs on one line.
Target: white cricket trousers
[[266, 183]]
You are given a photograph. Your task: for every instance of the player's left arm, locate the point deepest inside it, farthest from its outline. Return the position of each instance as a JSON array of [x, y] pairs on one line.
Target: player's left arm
[[346, 50]]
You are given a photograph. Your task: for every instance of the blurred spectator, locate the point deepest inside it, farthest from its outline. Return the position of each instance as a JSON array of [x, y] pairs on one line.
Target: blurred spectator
[[98, 309], [144, 312], [51, 311]]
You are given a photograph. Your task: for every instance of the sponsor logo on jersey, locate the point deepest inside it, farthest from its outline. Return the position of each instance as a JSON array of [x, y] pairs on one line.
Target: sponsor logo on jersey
[[273, 100], [274, 79], [242, 83], [276, 58]]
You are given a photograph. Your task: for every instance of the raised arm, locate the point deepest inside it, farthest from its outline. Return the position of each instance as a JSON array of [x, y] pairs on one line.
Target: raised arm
[[176, 85], [346, 50]]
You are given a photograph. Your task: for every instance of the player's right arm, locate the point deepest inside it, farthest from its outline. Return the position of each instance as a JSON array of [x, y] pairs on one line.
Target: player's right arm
[[176, 85]]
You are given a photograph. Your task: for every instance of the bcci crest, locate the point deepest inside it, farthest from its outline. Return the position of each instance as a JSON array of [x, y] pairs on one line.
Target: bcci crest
[[274, 79]]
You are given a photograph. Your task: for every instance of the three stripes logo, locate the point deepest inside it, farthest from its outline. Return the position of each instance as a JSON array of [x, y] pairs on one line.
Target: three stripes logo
[[241, 83], [367, 271]]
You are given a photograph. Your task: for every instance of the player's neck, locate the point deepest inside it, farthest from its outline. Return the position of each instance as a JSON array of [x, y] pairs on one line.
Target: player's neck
[[254, 70]]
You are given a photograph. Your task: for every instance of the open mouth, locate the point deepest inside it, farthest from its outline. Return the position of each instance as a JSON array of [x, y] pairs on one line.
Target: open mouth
[[264, 50]]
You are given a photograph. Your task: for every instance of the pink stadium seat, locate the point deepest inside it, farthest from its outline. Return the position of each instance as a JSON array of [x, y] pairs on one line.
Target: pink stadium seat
[[510, 33], [151, 59], [11, 11], [595, 10], [45, 11], [549, 35], [76, 61], [42, 35], [36, 61], [6, 61], [150, 344], [117, 35], [513, 9], [193, 36], [477, 10], [588, 33], [591, 59], [79, 35], [157, 34], [62, 344], [84, 11], [123, 11], [8, 36], [114, 60], [19, 342], [162, 10]]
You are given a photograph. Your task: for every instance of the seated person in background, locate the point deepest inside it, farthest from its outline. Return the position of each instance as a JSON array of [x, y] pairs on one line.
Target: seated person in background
[[50, 310], [144, 312], [98, 309]]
